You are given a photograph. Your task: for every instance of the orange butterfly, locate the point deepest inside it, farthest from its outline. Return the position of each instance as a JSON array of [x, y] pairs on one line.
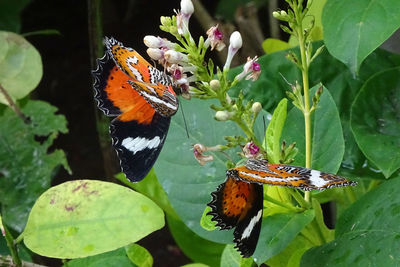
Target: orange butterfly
[[238, 202], [142, 99]]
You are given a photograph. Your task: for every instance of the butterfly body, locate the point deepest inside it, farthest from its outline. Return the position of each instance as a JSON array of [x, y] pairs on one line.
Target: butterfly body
[[142, 100], [238, 202]]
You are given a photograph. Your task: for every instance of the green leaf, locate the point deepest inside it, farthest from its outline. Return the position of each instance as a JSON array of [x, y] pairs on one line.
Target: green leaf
[[353, 29], [151, 188], [195, 247], [187, 183], [271, 45], [26, 165], [20, 66], [277, 231], [115, 258], [291, 255], [375, 120], [274, 131], [139, 255], [87, 217], [206, 221], [369, 227], [231, 258], [327, 137]]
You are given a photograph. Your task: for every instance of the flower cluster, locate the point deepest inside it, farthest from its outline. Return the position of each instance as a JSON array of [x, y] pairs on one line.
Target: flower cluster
[[185, 62]]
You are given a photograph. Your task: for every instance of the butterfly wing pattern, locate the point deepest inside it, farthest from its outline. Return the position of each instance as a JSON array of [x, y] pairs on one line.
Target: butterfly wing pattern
[[238, 202], [142, 100]]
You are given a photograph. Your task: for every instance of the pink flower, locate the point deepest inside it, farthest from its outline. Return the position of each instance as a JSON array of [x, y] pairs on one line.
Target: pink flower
[[251, 150], [215, 39], [251, 70], [198, 150]]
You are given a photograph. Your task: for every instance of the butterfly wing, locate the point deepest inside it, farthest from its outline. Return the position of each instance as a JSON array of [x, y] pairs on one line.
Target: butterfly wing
[[259, 171], [138, 145], [239, 204], [140, 128]]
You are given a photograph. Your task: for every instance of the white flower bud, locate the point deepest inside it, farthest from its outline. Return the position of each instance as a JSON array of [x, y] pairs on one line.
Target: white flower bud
[[235, 40], [155, 53], [187, 7], [256, 107], [151, 41], [215, 85], [222, 115], [173, 56]]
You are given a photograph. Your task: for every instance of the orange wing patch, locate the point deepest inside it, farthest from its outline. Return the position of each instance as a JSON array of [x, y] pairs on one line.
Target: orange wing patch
[[128, 100], [131, 62]]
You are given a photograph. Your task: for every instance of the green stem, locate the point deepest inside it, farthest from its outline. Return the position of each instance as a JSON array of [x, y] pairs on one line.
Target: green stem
[[296, 195], [279, 203], [11, 246], [306, 111]]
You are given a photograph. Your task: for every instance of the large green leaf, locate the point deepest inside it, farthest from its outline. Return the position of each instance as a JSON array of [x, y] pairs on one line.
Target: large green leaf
[[375, 120], [353, 29], [187, 183], [231, 258], [87, 217], [20, 66], [116, 258], [327, 136], [26, 165], [367, 233], [151, 188], [195, 247], [277, 231]]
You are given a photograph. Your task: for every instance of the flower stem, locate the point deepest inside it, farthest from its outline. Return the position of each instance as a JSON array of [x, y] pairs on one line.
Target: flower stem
[[306, 87], [11, 246], [279, 203]]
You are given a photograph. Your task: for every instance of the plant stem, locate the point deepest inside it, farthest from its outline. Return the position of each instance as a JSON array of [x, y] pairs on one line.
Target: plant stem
[[11, 246], [306, 87], [279, 203], [12, 105]]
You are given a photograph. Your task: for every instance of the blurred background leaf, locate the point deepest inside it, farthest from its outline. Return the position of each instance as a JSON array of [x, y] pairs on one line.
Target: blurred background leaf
[[26, 164]]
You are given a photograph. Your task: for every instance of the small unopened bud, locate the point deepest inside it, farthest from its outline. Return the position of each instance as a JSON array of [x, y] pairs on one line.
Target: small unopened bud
[[165, 20], [215, 85], [281, 15], [235, 43], [222, 115], [187, 7], [151, 41], [256, 107], [173, 56], [235, 40], [155, 53]]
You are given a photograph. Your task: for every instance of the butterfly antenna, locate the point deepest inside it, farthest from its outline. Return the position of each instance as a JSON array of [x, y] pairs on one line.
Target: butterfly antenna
[[184, 121]]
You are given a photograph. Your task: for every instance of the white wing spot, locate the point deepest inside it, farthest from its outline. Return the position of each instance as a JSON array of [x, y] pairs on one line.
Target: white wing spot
[[316, 180], [250, 227], [140, 143], [130, 61]]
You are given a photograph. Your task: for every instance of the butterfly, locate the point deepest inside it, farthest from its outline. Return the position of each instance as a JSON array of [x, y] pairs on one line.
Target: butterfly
[[141, 98], [238, 202]]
